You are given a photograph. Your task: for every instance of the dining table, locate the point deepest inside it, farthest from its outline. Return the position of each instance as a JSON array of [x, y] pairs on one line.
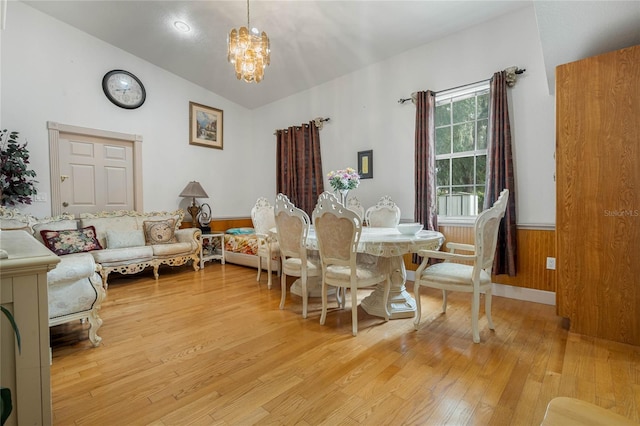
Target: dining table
[[387, 246]]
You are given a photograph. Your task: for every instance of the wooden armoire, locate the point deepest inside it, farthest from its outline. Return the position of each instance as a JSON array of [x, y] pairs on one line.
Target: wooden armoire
[[598, 195]]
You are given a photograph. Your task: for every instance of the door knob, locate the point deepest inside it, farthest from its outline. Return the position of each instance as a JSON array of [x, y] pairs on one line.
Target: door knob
[[65, 204], [63, 178]]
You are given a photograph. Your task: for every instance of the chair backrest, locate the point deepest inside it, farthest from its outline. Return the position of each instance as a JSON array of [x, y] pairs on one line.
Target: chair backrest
[[338, 231], [354, 205], [292, 225], [486, 229], [385, 214], [262, 216]]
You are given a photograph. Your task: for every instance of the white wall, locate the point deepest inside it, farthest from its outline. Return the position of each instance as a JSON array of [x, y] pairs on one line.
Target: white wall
[[365, 113], [53, 72]]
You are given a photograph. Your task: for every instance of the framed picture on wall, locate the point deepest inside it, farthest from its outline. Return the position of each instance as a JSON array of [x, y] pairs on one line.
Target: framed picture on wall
[[205, 126], [365, 164]]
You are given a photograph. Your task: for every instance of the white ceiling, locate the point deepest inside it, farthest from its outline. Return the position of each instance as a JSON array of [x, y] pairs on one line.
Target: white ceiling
[[313, 42]]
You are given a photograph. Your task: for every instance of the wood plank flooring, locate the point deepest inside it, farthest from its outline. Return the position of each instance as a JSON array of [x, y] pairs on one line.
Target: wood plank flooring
[[212, 348]]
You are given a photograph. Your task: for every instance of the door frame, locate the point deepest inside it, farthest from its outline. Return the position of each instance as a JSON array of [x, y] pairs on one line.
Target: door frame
[[55, 129]]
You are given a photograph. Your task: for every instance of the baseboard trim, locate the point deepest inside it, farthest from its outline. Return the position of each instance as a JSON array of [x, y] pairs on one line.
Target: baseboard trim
[[512, 292]]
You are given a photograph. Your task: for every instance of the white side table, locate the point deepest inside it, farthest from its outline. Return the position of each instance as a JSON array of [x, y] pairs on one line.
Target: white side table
[[207, 249]]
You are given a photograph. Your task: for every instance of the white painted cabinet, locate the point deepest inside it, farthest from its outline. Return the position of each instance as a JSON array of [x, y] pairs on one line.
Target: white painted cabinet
[[23, 291]]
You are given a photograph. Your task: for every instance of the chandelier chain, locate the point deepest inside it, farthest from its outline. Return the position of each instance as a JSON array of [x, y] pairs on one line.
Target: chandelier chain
[[248, 21]]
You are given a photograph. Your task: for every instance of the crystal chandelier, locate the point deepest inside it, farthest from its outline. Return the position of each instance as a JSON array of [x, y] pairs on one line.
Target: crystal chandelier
[[249, 51]]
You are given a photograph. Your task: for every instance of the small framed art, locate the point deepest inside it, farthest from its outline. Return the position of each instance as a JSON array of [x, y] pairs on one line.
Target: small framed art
[[365, 164], [205, 126]]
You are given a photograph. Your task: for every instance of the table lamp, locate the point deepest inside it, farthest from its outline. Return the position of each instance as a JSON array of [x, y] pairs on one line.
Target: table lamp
[[194, 190]]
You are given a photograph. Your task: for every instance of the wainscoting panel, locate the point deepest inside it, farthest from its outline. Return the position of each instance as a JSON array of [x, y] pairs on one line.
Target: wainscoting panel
[[222, 225], [534, 246]]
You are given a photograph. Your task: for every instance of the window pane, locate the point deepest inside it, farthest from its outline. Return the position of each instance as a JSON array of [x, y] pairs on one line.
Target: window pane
[[464, 110], [483, 126], [483, 105], [443, 114], [443, 140], [461, 202], [480, 194], [481, 169], [463, 137], [442, 173], [462, 172]]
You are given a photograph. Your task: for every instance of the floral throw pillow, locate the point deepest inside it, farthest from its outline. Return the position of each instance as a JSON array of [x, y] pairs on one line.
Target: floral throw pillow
[[159, 231], [69, 241]]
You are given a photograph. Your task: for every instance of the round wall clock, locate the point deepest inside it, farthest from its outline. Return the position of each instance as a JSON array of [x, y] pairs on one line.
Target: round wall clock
[[123, 89]]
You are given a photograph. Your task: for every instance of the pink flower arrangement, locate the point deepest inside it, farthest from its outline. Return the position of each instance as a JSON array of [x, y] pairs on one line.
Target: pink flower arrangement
[[341, 180]]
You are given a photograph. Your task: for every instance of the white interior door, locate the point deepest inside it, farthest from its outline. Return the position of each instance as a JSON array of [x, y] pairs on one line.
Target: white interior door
[[94, 170], [96, 175]]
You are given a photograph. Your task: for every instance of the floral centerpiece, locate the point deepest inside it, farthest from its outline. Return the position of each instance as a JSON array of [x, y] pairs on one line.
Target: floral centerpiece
[[344, 180]]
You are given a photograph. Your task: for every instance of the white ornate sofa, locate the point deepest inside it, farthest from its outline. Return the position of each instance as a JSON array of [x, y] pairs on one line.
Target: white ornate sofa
[[123, 241]]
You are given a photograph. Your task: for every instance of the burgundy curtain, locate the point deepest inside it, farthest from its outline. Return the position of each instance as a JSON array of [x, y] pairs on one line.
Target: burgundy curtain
[[425, 167], [299, 166], [500, 174]]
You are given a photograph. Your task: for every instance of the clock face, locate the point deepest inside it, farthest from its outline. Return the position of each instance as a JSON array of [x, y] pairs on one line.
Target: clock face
[[123, 89]]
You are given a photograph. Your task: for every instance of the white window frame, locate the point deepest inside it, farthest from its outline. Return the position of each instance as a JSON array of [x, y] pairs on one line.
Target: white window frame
[[448, 95]]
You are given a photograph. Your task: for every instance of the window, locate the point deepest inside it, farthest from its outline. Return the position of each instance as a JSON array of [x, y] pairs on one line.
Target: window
[[462, 120]]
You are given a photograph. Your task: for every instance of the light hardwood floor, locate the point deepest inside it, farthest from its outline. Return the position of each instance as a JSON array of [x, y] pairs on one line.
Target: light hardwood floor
[[212, 347]]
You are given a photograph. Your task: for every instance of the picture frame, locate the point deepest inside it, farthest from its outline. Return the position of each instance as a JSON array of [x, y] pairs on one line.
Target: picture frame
[[205, 126], [365, 164]]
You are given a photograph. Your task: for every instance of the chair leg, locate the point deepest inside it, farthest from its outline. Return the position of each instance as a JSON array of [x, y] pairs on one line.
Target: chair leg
[[269, 272], [444, 301], [416, 295], [305, 296], [487, 308], [475, 309], [259, 267], [323, 315], [283, 284], [354, 311]]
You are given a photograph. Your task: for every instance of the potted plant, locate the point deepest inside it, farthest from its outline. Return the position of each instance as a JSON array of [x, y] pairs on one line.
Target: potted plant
[[17, 182], [5, 393]]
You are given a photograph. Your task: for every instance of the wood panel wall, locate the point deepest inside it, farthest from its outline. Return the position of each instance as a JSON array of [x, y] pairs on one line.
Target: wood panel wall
[[222, 225], [534, 246]]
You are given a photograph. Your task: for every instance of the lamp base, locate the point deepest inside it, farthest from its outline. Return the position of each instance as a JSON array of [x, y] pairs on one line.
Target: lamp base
[[193, 211]]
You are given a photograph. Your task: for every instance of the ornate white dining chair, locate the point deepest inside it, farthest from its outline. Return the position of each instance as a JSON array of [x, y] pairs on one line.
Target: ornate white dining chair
[[472, 278], [385, 214], [354, 205], [292, 226], [338, 231], [263, 220]]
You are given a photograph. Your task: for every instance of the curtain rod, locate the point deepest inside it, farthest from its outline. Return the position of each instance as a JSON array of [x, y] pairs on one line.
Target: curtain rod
[[318, 121], [516, 71]]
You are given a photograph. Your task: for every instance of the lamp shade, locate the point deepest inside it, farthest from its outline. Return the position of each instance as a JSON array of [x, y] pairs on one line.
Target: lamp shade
[[194, 189]]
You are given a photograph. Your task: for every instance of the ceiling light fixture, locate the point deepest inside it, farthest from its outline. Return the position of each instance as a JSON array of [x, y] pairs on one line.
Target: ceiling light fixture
[[249, 52], [182, 26]]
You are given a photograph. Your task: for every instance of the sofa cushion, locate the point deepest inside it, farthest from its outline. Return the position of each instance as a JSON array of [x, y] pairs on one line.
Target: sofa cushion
[[123, 239], [112, 223], [68, 241], [159, 231], [55, 225], [172, 249], [123, 255]]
